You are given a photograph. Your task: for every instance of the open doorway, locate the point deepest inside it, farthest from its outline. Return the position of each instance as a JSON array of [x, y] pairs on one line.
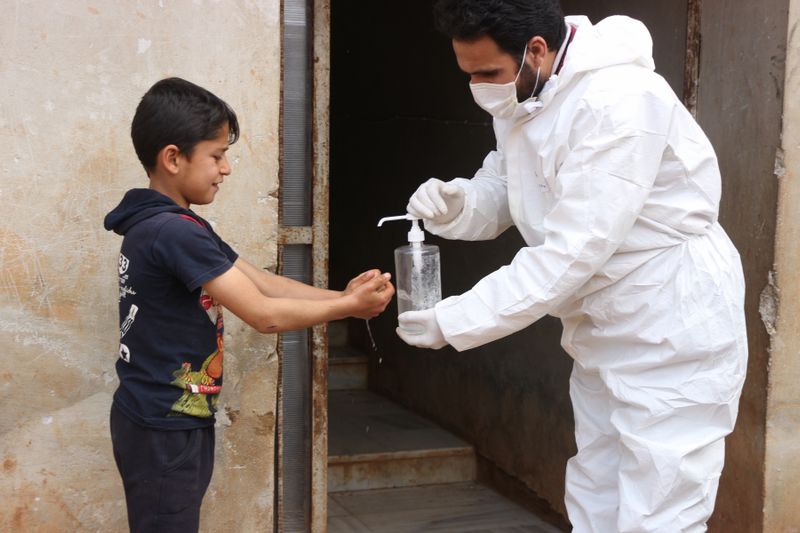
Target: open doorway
[[401, 112]]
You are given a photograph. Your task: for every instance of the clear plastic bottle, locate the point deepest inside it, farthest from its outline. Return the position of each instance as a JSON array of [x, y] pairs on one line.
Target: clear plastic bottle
[[417, 270], [419, 284]]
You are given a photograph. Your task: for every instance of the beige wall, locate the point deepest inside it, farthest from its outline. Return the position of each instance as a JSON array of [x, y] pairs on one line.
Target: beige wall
[[782, 468], [71, 74]]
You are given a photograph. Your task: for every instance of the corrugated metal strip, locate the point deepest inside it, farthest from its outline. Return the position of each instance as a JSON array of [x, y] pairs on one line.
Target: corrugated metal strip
[[296, 185], [295, 402], [294, 433]]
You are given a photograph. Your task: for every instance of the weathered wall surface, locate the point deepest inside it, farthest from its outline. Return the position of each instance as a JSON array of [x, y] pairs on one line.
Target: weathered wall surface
[[740, 102], [782, 465], [71, 74]]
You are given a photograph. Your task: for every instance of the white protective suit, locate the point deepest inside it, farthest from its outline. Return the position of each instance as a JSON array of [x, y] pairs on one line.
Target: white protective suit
[[615, 189]]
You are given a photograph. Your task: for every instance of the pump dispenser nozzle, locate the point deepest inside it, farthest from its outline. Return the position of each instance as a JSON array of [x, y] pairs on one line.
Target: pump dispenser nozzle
[[415, 234]]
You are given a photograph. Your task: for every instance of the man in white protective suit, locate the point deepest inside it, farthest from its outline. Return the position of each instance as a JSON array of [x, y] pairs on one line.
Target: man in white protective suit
[[615, 189]]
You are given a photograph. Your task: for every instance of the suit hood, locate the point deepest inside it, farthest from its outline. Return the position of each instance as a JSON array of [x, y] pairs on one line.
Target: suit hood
[[616, 40], [613, 41]]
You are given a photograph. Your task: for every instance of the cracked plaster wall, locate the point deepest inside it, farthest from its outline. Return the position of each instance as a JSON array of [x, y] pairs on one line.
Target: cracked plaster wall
[[782, 464], [71, 75]]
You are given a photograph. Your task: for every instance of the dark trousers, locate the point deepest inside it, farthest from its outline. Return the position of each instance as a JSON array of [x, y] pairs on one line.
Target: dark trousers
[[165, 474]]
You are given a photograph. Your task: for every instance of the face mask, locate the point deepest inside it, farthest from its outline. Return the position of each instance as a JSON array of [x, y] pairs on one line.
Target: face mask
[[500, 99]]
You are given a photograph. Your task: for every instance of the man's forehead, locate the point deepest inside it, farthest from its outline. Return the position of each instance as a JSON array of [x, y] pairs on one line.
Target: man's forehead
[[480, 55]]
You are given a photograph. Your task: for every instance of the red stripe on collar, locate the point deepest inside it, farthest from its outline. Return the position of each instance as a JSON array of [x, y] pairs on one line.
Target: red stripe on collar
[[572, 31]]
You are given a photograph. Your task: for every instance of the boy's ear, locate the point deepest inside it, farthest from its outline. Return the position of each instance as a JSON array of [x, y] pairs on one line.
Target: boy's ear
[[168, 158]]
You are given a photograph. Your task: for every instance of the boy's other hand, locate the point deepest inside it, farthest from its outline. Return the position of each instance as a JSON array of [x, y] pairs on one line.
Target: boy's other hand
[[370, 295], [360, 280]]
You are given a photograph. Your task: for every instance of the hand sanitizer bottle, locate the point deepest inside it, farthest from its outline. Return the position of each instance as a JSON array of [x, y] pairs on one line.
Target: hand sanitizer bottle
[[417, 270]]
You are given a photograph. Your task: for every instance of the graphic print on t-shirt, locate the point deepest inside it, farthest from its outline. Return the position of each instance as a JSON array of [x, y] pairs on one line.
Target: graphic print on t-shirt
[[201, 388], [124, 351], [124, 290]]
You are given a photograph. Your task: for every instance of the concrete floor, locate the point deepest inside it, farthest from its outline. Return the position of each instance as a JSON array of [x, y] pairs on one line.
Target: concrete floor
[[375, 443], [466, 507], [362, 422], [393, 471]]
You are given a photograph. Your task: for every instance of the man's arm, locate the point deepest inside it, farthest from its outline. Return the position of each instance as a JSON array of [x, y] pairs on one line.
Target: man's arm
[[282, 310], [485, 213], [603, 184]]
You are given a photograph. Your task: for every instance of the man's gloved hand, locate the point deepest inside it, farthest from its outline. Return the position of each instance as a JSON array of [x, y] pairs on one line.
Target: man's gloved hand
[[437, 201], [420, 329]]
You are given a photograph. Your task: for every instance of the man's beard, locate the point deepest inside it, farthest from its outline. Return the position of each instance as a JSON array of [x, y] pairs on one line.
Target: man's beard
[[527, 83]]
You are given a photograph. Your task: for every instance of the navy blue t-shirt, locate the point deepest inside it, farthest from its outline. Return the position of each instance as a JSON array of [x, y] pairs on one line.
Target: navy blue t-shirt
[[171, 333]]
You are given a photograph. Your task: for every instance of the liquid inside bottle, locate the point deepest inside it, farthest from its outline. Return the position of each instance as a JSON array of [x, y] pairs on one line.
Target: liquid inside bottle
[[419, 284]]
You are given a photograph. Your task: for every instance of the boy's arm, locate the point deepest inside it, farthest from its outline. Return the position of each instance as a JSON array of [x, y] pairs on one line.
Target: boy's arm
[[275, 286], [270, 314]]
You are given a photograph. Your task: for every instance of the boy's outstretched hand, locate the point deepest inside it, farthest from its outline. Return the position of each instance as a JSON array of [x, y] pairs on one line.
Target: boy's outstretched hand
[[360, 280], [371, 292]]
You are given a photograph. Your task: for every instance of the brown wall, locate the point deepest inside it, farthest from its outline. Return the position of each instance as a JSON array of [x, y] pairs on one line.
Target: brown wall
[[740, 105]]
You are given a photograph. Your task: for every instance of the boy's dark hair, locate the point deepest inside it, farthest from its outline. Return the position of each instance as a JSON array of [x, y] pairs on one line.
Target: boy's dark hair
[[510, 23], [175, 111]]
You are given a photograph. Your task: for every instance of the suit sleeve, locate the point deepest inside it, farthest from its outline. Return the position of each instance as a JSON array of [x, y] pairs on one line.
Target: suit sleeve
[[602, 186], [485, 214]]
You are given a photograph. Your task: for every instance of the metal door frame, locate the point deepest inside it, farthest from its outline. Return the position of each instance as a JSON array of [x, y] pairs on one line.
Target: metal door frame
[[315, 235], [320, 120]]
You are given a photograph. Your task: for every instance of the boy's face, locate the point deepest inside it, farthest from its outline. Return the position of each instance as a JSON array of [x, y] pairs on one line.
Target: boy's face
[[201, 174]]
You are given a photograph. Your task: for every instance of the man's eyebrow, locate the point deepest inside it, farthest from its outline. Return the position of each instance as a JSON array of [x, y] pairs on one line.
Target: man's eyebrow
[[484, 72]]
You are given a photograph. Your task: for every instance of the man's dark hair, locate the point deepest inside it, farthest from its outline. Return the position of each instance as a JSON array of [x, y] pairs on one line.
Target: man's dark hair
[[175, 111], [510, 23]]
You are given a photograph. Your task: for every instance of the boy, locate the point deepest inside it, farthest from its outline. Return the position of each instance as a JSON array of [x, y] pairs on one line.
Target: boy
[[175, 275]]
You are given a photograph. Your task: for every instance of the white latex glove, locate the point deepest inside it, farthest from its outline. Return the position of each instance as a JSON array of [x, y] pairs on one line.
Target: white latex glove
[[420, 329], [437, 201]]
